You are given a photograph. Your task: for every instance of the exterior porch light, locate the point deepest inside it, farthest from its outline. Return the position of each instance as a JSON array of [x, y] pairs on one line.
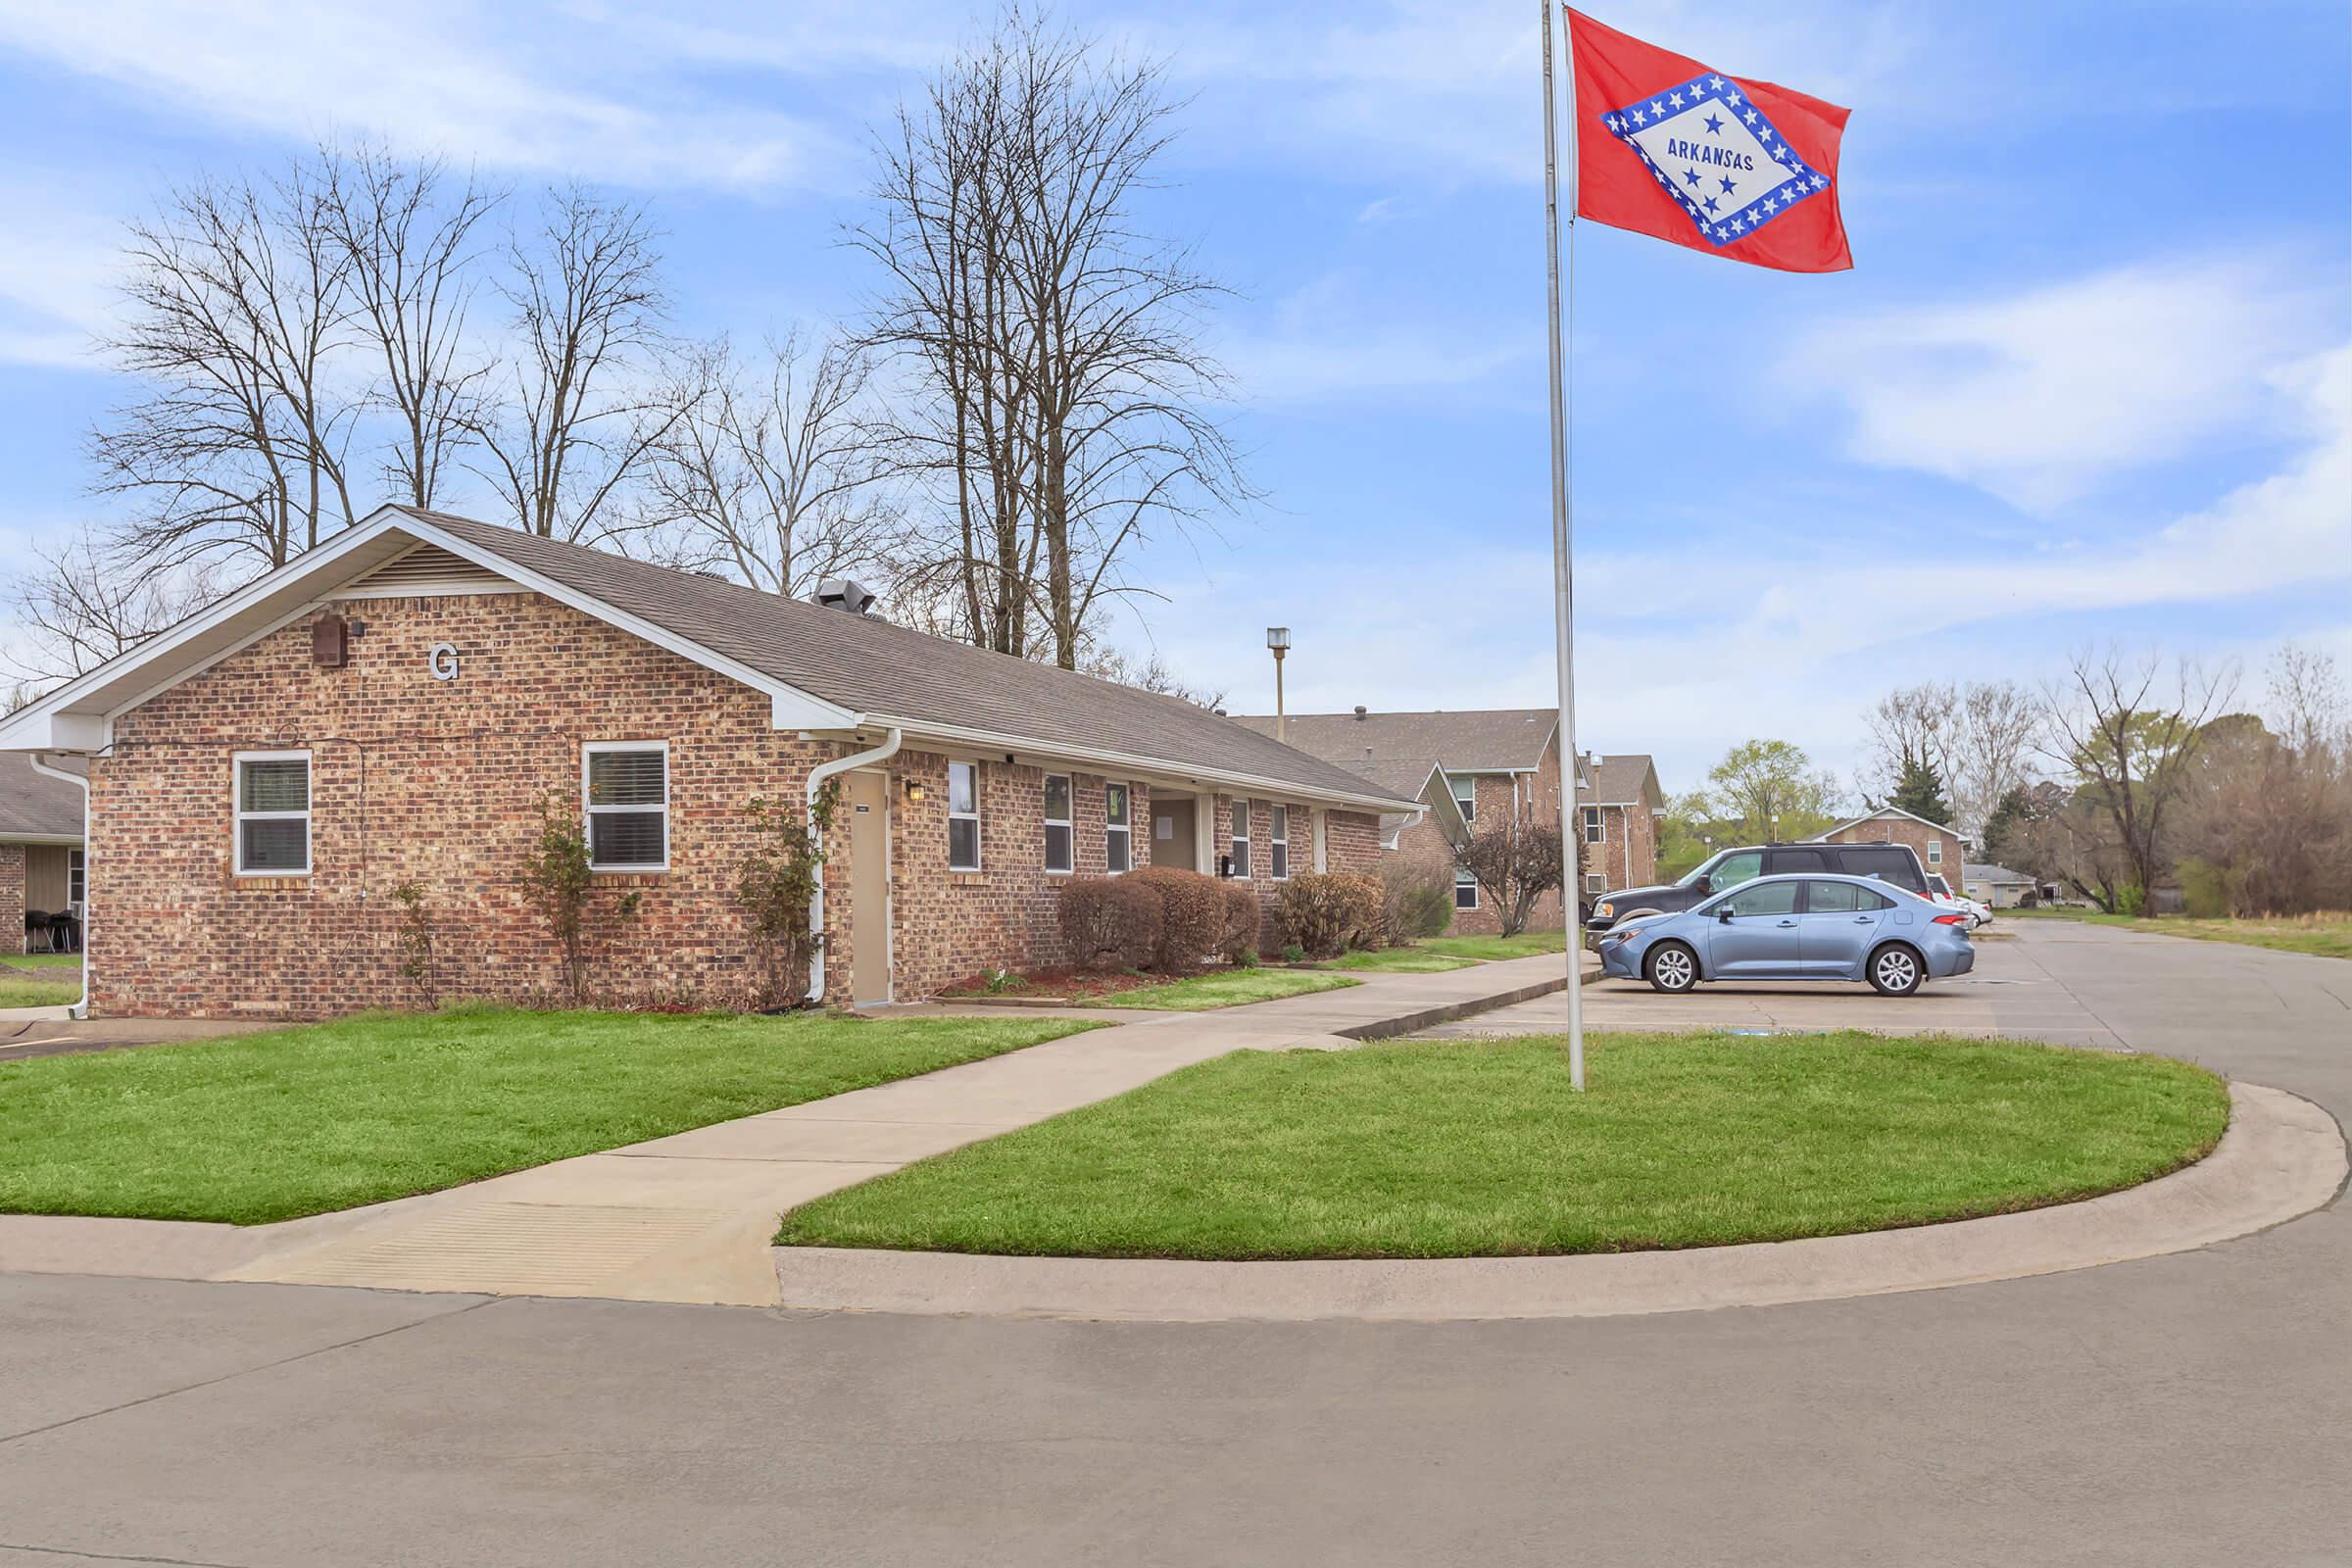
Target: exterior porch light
[[914, 790], [1278, 638]]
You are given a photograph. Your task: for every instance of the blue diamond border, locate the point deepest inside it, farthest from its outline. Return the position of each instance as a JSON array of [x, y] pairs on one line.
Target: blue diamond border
[[1723, 228]]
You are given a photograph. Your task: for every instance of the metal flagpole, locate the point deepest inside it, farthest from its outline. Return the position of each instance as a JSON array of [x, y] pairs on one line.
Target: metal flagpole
[[1563, 577]]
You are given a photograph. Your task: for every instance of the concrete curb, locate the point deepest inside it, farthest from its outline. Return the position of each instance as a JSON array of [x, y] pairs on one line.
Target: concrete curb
[[2281, 1157]]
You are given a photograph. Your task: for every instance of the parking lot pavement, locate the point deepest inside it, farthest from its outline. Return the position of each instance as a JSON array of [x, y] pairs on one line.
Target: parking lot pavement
[[2191, 1408], [2011, 992]]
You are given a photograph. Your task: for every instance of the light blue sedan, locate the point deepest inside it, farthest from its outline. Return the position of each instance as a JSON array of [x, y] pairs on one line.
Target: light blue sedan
[[1796, 928]]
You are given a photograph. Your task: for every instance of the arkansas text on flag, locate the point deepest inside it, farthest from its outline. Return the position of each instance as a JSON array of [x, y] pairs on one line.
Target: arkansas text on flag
[[1666, 147]]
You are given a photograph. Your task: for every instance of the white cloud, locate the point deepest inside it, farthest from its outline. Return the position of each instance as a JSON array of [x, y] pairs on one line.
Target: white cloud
[[2040, 397], [566, 92]]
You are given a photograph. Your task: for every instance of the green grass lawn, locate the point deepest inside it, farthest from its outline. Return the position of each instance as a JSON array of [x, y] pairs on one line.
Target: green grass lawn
[[1225, 988], [41, 960], [2330, 936], [1479, 1149], [38, 987], [264, 1127], [1525, 945], [1395, 960]]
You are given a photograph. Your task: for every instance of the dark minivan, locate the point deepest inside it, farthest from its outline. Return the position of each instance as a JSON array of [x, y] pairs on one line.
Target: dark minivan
[[1897, 864]]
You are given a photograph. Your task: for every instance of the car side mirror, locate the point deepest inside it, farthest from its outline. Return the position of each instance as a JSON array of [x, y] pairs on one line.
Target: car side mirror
[[1724, 915]]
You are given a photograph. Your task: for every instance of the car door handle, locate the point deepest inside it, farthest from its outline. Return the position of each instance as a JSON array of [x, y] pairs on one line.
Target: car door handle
[[1788, 922], [1864, 919]]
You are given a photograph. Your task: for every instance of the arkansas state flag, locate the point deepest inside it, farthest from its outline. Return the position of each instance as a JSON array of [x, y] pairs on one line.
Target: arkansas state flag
[[1739, 169]]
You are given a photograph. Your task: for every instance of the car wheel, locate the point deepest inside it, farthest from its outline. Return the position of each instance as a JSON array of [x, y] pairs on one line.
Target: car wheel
[[1672, 968], [1895, 970]]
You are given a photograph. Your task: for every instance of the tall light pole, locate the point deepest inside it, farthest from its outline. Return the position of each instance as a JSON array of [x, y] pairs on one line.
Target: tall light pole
[[1278, 638]]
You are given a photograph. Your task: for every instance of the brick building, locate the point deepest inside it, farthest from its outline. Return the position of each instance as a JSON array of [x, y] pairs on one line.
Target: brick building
[[1469, 766], [400, 706], [40, 859], [1941, 848]]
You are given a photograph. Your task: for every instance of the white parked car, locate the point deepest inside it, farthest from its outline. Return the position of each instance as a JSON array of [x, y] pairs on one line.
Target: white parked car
[[1940, 891]]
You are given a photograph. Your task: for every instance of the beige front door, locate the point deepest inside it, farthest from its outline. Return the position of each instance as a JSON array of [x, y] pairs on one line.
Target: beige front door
[[1172, 831], [865, 801]]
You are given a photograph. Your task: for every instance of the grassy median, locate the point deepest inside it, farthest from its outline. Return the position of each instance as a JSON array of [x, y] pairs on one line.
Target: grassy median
[[264, 1127], [2326, 936], [1480, 1149]]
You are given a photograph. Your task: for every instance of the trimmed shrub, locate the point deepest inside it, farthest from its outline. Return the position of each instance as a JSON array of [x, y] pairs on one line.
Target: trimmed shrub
[[1111, 922], [1241, 921], [1192, 916], [1416, 903], [1328, 912]]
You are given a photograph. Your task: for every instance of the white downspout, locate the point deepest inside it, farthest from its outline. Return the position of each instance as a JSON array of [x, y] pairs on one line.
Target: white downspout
[[817, 776], [81, 1009]]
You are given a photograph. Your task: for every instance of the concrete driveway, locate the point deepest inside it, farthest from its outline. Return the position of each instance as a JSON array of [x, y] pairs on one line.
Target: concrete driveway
[[2183, 1409]]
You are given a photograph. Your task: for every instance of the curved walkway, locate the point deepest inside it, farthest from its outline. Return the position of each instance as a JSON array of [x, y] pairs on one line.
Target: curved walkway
[[2281, 1157]]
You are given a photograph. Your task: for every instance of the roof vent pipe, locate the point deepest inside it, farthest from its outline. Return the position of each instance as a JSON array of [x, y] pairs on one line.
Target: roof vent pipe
[[840, 593], [1359, 712]]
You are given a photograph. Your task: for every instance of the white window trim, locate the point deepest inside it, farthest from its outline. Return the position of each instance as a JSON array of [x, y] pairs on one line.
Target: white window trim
[[1068, 822], [1278, 865], [1237, 837], [972, 817], [1935, 851], [1463, 879], [77, 869], [1596, 882], [1117, 830], [1467, 806], [236, 785], [1595, 823], [588, 812]]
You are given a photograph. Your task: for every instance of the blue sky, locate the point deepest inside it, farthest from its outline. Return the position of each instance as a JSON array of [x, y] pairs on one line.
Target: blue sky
[[2090, 379]]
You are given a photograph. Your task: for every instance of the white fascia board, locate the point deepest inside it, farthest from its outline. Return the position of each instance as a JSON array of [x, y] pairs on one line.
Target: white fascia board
[[70, 841], [78, 716], [791, 708], [85, 702], [1098, 760]]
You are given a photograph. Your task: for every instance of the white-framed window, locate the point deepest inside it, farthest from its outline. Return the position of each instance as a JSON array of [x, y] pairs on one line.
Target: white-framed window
[[1465, 796], [1119, 828], [624, 785], [274, 814], [1279, 837], [1595, 829], [1465, 889], [1241, 838], [1060, 841], [1935, 851], [1594, 882], [77, 878], [963, 816]]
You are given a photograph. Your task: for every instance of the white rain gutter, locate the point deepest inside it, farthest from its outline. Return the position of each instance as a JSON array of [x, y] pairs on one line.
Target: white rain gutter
[[81, 1008], [818, 778]]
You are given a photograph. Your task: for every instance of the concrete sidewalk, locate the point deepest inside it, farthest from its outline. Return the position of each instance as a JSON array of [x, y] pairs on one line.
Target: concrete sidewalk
[[688, 1218]]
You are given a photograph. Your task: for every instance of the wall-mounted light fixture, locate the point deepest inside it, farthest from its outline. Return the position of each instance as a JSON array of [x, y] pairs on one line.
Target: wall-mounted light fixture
[[914, 790]]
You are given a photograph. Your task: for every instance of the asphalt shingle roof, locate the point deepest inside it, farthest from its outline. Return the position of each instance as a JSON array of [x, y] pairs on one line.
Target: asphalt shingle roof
[[897, 673], [1396, 751], [34, 805]]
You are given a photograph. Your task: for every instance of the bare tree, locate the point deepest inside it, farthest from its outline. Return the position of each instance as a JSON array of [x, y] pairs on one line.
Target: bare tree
[[1150, 673], [1054, 352], [235, 316], [408, 237], [2131, 757], [1993, 751], [76, 608], [1515, 862], [2305, 700], [585, 398], [772, 472], [1913, 727]]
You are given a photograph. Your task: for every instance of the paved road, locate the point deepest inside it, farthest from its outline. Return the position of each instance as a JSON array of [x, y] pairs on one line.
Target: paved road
[[2184, 1410]]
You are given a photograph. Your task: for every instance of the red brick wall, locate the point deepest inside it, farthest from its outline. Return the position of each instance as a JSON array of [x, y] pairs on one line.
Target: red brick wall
[[1351, 843], [437, 782], [1883, 830], [12, 897]]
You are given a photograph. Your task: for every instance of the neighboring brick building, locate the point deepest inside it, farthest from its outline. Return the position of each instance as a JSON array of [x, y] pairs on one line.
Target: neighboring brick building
[[398, 707], [1471, 766], [40, 859], [1941, 848]]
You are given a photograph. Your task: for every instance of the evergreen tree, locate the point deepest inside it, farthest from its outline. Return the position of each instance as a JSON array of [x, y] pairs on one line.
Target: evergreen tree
[[1919, 790], [2014, 811]]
